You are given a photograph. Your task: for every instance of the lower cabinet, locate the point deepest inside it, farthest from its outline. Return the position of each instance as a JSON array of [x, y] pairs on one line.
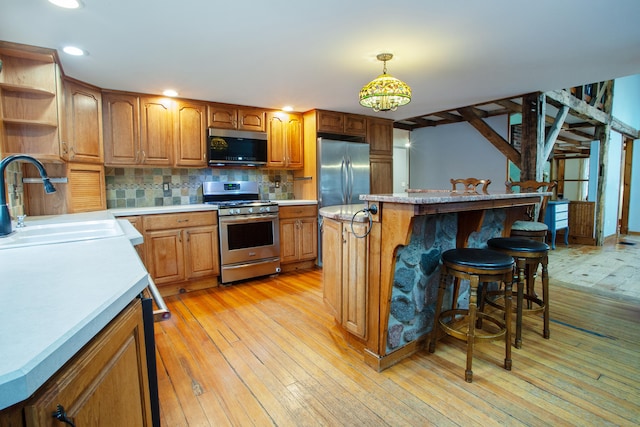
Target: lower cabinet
[[345, 273], [298, 234], [105, 384], [181, 247]]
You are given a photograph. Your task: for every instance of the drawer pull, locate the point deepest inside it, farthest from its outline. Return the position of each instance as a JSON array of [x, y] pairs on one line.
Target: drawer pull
[[183, 220], [61, 415]]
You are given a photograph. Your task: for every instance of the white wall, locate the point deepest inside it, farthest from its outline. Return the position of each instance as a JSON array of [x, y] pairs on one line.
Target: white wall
[[456, 151], [612, 183], [401, 141], [626, 100]]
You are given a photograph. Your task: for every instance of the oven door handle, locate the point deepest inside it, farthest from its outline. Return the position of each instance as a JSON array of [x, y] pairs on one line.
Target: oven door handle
[[246, 218]]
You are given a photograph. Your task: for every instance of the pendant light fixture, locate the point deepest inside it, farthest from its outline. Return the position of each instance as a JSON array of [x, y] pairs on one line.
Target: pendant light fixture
[[385, 92]]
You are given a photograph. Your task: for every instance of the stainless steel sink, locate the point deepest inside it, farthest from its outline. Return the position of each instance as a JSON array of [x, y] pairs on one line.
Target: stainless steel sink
[[46, 234]]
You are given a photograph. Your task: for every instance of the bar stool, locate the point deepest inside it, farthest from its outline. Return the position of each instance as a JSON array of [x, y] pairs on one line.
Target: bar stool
[[528, 254], [535, 229], [477, 266]]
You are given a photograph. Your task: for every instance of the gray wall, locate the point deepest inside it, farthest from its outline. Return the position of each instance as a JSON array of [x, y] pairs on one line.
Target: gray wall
[[457, 151]]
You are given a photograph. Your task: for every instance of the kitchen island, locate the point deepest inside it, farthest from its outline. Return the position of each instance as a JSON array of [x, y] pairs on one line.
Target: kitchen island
[[71, 325], [381, 281]]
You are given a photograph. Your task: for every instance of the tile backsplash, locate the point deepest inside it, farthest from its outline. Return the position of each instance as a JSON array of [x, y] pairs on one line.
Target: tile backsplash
[[148, 187]]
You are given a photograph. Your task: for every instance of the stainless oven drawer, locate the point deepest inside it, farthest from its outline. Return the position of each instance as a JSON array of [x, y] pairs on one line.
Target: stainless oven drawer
[[235, 272]]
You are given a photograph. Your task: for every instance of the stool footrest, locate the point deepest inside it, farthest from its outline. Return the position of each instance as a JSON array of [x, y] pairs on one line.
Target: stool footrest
[[459, 329]]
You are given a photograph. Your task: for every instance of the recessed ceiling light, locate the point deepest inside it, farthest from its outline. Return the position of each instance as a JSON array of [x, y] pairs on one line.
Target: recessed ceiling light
[[67, 4], [287, 108], [170, 92], [72, 50]]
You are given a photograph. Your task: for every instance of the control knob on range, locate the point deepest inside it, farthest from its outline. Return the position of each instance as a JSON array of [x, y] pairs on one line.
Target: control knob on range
[[250, 210]]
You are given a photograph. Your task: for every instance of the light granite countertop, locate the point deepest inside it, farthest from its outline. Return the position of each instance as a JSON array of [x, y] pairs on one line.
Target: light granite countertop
[[431, 197], [344, 212], [57, 297]]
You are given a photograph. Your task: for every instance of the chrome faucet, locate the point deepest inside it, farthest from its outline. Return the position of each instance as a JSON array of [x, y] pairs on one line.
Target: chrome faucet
[[5, 217]]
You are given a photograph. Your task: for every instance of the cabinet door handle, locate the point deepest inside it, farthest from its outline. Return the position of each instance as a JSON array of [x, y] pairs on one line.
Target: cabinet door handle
[[61, 415], [180, 236]]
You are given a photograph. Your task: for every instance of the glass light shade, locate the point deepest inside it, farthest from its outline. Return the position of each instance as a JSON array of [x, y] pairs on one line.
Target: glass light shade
[[385, 93]]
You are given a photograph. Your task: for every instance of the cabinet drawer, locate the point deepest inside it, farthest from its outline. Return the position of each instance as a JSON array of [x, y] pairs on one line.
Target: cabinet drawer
[[298, 211], [561, 215], [562, 224], [562, 208], [180, 220]]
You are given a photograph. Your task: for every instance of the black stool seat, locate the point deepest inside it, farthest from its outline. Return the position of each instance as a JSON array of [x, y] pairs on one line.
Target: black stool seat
[[518, 244], [484, 259]]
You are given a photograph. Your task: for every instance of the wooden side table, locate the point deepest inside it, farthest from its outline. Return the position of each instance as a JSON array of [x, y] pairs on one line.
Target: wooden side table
[[557, 218]]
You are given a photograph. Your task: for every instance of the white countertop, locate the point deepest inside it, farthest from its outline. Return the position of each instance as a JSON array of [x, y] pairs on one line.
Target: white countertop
[[191, 208], [56, 298]]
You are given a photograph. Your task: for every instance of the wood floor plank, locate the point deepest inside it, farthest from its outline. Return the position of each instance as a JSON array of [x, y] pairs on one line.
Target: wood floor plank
[[266, 352]]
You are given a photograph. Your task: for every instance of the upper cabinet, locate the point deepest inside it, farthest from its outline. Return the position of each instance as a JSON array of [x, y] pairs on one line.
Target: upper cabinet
[[190, 137], [156, 130], [145, 130], [121, 118], [285, 142], [341, 123], [29, 102], [380, 136], [225, 116], [82, 127]]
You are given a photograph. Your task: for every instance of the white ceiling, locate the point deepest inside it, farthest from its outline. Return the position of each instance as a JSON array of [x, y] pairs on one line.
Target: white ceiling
[[318, 54]]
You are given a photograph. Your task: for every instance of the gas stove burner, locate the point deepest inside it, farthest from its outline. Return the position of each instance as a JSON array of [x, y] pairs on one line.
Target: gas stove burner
[[236, 198]]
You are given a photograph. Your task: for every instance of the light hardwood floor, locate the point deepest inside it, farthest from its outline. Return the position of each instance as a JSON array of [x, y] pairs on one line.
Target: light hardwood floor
[[266, 352]]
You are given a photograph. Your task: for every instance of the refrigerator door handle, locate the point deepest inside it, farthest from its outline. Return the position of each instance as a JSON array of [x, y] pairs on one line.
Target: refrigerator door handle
[[351, 180], [344, 181]]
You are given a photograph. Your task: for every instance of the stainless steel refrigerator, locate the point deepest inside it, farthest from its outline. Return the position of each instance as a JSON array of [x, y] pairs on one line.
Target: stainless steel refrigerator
[[343, 175], [343, 172]]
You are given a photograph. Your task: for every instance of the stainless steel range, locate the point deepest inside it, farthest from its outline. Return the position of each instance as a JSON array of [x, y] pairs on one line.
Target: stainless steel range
[[249, 230]]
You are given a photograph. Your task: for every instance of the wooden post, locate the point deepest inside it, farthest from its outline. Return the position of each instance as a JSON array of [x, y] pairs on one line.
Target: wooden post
[[532, 143], [602, 134]]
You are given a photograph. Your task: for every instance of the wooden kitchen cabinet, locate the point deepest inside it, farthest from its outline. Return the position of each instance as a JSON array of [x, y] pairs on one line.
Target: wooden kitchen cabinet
[[121, 120], [82, 128], [136, 221], [181, 247], [298, 236], [345, 274], [191, 134], [381, 170], [156, 131], [380, 136], [341, 123], [84, 190], [226, 116], [30, 94], [105, 384], [285, 140], [138, 130]]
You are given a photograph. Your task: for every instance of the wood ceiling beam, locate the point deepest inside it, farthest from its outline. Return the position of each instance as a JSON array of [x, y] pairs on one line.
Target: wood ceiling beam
[[579, 107], [554, 131], [472, 116]]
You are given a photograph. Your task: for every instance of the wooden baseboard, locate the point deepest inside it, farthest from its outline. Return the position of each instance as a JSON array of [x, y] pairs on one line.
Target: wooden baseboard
[[189, 286], [303, 265], [380, 363], [580, 240]]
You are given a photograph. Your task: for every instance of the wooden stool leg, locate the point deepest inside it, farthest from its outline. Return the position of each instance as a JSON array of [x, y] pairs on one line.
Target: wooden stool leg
[[471, 331], [521, 265], [545, 296], [507, 319], [436, 318]]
